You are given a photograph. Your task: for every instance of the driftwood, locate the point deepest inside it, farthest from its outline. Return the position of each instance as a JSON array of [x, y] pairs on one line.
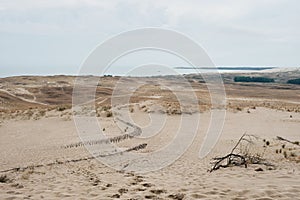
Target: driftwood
[[232, 159], [241, 158]]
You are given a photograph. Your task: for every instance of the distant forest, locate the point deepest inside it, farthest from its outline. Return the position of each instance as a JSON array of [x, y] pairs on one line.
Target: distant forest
[[253, 79], [294, 81]]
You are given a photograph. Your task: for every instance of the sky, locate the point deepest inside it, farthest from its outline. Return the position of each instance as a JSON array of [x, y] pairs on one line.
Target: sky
[[55, 36]]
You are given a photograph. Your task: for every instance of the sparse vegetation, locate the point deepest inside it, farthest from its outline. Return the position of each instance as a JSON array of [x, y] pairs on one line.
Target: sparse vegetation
[[61, 108], [109, 114], [285, 154], [131, 110], [106, 108], [239, 109], [293, 154], [290, 149]]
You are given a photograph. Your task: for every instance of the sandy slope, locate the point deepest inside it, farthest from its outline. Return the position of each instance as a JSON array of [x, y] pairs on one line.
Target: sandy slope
[[70, 173]]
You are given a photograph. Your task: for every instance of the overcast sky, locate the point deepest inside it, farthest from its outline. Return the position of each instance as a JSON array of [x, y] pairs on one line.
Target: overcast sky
[[55, 36]]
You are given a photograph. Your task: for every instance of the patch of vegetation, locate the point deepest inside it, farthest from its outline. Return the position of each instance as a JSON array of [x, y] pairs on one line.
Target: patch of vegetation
[[3, 179], [253, 79], [109, 114], [106, 108], [239, 109], [61, 108], [294, 81]]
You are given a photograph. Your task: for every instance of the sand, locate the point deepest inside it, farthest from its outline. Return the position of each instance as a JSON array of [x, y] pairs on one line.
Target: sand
[[40, 142], [43, 156]]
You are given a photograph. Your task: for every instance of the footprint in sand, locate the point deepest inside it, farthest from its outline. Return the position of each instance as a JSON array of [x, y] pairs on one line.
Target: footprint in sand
[[158, 191], [122, 191], [147, 185], [179, 196], [151, 197]]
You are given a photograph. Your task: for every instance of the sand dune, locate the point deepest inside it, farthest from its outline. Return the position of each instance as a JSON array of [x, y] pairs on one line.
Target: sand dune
[[42, 155], [56, 172]]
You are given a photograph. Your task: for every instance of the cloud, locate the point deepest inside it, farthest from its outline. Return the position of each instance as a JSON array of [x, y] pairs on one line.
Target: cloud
[[234, 32], [49, 4], [82, 16]]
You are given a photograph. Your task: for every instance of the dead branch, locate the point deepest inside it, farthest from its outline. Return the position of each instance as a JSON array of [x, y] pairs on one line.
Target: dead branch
[[237, 144], [232, 159], [286, 140], [241, 158]]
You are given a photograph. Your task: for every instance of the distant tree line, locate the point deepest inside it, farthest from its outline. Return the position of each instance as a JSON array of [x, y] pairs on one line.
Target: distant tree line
[[253, 79], [294, 81], [108, 75]]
